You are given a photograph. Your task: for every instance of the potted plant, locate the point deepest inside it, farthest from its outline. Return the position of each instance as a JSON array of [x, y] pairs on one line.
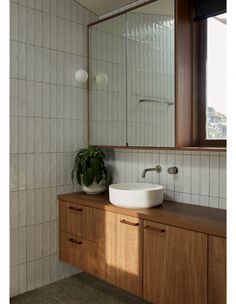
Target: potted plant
[[89, 170]]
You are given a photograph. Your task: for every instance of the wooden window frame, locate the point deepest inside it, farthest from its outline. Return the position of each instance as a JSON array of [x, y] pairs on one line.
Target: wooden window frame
[[199, 87]]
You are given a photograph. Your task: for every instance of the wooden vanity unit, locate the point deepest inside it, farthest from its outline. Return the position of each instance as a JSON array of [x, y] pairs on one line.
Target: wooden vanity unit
[[171, 254]]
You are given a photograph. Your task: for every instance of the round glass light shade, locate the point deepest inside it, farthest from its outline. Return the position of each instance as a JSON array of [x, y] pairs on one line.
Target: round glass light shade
[[101, 78], [81, 76]]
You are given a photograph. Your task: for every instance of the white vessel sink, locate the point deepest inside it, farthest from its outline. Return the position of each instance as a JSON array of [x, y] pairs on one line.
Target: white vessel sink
[[136, 195]]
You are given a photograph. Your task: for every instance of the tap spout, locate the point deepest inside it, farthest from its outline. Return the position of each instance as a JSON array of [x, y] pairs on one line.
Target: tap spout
[[157, 169]]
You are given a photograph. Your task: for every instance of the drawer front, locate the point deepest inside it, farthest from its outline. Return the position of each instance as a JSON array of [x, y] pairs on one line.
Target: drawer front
[[77, 251], [77, 219]]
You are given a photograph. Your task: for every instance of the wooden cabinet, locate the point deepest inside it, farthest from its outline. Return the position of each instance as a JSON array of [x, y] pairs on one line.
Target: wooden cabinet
[[217, 270], [119, 250], [181, 261], [77, 234], [77, 219], [175, 265]]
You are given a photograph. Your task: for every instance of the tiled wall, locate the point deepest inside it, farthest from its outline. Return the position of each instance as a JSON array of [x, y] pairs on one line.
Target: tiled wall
[[201, 179], [47, 108]]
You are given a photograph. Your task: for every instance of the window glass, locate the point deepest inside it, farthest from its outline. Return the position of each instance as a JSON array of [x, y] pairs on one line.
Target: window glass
[[216, 122]]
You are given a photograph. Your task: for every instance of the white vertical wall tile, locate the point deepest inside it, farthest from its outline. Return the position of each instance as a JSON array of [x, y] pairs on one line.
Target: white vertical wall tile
[[46, 6], [22, 245], [30, 134], [52, 204], [14, 247], [22, 278], [38, 208], [38, 17], [52, 169], [22, 98], [214, 202], [14, 283], [14, 209], [30, 207], [45, 270], [214, 176], [13, 59], [46, 33], [30, 171], [14, 135], [222, 177], [13, 97], [21, 60], [22, 178], [45, 205], [30, 99], [38, 236], [30, 25], [30, 275], [187, 173], [46, 92], [14, 172], [13, 21], [38, 73], [38, 135], [30, 3], [45, 170], [21, 23], [45, 239], [38, 273], [22, 209], [195, 174], [30, 242]]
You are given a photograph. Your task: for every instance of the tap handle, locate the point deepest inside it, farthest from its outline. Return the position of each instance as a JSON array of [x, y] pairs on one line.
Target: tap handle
[[172, 170]]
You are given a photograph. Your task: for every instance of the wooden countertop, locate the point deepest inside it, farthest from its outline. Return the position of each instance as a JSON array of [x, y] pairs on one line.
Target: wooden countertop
[[197, 218]]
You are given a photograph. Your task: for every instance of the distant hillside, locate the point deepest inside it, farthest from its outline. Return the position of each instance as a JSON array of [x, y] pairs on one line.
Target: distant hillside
[[216, 124]]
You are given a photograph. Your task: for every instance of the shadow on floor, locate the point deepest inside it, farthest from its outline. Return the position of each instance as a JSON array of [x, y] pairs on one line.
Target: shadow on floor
[[80, 288]]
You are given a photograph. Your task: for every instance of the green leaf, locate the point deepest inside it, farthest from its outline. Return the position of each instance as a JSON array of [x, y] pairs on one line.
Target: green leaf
[[96, 165], [88, 177], [99, 177]]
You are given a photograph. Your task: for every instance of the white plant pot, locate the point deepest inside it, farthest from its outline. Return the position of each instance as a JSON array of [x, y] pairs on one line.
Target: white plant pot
[[94, 188]]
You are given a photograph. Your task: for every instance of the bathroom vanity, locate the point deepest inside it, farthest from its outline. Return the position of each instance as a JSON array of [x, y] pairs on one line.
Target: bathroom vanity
[[174, 253]]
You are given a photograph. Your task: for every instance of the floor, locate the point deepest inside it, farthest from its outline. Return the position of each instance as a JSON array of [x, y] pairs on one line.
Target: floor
[[80, 288]]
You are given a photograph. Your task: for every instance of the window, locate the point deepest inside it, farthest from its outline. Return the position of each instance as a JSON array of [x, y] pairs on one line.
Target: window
[[210, 77], [216, 78]]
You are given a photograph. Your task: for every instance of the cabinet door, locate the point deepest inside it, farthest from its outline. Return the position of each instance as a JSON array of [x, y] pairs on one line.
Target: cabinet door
[[77, 219], [217, 270], [77, 251], [105, 245], [129, 254], [175, 265]]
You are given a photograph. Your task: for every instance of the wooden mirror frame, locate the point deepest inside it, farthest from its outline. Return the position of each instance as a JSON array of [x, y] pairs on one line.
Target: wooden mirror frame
[[187, 124]]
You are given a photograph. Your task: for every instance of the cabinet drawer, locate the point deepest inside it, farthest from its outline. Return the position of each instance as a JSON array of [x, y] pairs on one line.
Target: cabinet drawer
[[77, 251], [77, 219]]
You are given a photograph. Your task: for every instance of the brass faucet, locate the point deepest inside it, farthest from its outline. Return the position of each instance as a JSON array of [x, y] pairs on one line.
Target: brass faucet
[[157, 169]]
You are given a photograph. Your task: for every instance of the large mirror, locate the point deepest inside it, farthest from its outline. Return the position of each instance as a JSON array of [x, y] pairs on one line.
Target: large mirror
[[131, 78]]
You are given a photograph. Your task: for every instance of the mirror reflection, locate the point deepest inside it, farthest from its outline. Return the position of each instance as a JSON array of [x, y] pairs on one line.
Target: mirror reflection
[[131, 78]]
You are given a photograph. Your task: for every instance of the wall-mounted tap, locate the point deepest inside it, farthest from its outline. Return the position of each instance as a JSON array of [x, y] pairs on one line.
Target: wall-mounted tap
[[157, 169], [172, 170]]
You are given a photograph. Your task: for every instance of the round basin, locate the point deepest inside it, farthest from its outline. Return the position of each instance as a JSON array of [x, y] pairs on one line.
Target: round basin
[[136, 195]]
